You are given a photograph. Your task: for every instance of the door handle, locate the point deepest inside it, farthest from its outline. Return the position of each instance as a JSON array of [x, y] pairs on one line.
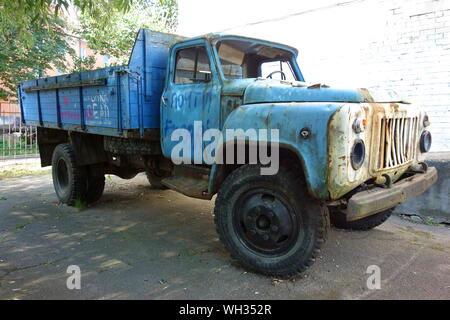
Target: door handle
[[164, 101]]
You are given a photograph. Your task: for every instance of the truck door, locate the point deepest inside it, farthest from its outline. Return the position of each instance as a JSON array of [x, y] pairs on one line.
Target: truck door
[[192, 94]]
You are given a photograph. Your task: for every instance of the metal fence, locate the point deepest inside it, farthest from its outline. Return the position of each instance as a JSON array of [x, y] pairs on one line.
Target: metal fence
[[16, 139]]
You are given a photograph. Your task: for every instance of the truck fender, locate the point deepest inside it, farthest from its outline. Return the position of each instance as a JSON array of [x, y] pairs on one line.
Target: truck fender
[[219, 171], [290, 119]]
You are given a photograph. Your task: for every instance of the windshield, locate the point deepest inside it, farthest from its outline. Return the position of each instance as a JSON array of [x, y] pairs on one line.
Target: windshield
[[248, 59]]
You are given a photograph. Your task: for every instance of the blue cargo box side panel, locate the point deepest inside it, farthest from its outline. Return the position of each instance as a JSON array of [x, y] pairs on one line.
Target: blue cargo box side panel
[[104, 101], [90, 100]]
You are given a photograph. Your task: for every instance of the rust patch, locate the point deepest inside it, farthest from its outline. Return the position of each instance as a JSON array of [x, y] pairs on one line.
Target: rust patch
[[366, 94], [394, 106]]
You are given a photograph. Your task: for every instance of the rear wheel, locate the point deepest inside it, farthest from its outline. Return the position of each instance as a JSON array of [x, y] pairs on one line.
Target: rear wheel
[[269, 223], [69, 180], [339, 220], [95, 183]]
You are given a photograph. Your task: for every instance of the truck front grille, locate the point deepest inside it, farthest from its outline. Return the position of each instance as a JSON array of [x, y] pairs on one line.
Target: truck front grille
[[398, 141]]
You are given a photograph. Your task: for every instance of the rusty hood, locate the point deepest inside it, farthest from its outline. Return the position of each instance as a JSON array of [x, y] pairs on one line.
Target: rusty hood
[[271, 91]]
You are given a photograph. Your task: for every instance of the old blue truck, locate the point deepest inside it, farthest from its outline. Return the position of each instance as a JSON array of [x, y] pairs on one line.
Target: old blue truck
[[342, 155]]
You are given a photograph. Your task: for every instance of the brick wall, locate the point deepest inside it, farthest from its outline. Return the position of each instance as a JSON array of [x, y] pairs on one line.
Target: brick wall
[[9, 107], [399, 44], [9, 113], [413, 58]]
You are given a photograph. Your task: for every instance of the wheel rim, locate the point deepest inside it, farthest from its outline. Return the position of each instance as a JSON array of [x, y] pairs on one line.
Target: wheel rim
[[265, 222], [62, 175]]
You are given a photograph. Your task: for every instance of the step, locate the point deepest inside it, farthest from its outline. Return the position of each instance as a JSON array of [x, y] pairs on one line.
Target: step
[[190, 180]]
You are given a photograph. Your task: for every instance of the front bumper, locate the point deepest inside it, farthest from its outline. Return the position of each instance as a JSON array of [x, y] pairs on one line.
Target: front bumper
[[366, 203]]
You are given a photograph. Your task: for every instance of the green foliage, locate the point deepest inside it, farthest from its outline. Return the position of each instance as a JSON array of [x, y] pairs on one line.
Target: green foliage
[[430, 221], [12, 146], [82, 64], [21, 60], [22, 14], [113, 33], [34, 37], [79, 204], [22, 225]]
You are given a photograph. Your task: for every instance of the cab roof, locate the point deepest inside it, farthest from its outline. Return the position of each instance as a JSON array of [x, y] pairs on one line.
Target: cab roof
[[217, 36]]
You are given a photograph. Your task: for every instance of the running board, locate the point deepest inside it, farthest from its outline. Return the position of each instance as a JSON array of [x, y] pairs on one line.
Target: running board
[[190, 180]]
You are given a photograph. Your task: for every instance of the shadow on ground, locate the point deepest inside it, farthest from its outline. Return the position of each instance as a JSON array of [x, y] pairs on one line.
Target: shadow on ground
[[142, 243]]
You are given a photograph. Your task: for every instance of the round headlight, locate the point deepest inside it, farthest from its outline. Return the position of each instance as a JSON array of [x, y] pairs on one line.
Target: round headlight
[[358, 154], [425, 141]]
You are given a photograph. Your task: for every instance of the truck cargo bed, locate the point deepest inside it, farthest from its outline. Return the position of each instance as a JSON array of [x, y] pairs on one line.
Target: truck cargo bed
[[116, 101]]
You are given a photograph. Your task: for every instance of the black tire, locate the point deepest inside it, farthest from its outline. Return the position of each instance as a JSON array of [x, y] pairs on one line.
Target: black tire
[[69, 180], [155, 179], [281, 201], [339, 221], [95, 183]]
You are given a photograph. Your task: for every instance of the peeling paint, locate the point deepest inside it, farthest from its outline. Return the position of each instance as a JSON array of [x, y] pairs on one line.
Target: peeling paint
[[342, 177]]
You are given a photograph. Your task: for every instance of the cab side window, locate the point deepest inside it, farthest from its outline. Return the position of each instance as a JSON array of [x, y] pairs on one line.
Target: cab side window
[[192, 66]]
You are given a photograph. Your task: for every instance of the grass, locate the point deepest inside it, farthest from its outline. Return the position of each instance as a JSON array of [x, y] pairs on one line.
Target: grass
[[10, 149], [20, 226], [20, 170], [430, 221], [79, 204]]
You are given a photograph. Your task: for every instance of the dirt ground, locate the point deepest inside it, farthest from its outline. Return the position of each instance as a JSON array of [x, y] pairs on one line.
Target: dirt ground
[[140, 243]]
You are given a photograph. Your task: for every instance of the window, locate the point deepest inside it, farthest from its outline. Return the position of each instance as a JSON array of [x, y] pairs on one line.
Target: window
[[82, 53], [231, 60], [106, 60], [280, 70], [192, 66], [247, 59]]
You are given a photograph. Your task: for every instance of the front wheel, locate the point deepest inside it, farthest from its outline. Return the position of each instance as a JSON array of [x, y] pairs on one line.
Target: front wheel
[[269, 222], [339, 220]]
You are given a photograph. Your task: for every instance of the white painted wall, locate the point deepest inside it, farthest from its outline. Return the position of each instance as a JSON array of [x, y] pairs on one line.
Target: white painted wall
[[401, 44]]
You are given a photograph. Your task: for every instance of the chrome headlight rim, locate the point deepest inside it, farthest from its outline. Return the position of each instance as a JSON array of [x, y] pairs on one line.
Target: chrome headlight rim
[[358, 154], [425, 141]]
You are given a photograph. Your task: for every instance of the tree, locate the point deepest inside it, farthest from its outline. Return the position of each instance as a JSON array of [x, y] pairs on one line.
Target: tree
[[20, 61], [23, 14], [35, 37], [113, 33]]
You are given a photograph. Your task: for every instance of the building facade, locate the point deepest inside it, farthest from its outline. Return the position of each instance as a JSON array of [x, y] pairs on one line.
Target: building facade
[[399, 44]]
